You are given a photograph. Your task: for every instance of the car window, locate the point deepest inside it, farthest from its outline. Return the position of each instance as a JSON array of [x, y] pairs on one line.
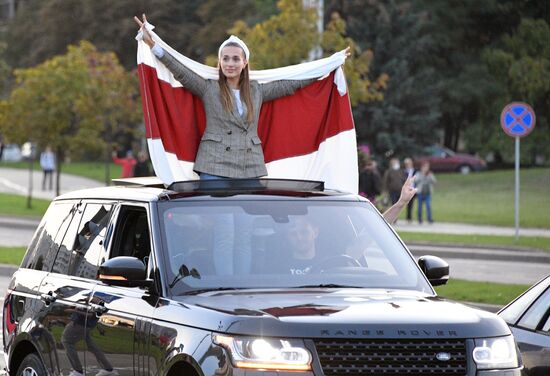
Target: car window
[[532, 319], [83, 246], [546, 326], [45, 243], [132, 234], [283, 244], [512, 313]]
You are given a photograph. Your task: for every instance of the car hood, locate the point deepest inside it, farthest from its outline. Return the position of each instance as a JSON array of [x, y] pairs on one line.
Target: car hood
[[332, 313]]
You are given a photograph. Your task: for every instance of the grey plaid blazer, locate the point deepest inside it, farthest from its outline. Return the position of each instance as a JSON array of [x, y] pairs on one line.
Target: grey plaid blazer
[[230, 146]]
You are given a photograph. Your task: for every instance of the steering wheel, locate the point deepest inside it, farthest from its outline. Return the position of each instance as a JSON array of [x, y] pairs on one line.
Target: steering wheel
[[334, 262]]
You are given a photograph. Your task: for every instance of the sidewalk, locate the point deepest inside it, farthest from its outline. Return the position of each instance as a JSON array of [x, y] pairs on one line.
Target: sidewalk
[[16, 181]]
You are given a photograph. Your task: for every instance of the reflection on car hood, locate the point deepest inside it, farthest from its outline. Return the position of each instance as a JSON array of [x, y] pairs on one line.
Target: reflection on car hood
[[332, 313]]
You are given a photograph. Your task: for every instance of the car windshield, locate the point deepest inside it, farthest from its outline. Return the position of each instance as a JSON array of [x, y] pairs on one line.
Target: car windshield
[[279, 244]]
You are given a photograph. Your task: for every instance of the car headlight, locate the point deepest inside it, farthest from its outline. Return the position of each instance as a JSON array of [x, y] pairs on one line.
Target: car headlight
[[266, 353], [492, 353]]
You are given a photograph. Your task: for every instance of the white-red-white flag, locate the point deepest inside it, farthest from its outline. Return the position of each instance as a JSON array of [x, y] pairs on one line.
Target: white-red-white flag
[[308, 135]]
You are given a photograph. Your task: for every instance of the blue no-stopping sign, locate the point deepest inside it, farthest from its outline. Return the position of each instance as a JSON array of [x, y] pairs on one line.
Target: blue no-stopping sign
[[517, 119]]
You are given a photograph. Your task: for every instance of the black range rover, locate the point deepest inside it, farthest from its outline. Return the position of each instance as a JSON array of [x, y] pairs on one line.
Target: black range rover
[[244, 277]]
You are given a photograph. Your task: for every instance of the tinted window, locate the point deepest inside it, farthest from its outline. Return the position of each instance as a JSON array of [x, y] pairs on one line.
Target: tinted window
[[513, 312], [83, 246], [546, 327], [264, 244], [132, 235], [535, 314], [44, 246]]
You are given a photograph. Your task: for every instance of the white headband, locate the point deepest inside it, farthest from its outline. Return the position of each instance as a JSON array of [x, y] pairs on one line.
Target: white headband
[[240, 43]]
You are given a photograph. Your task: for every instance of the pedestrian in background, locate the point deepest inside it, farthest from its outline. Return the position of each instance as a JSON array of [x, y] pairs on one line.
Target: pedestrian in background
[[425, 181], [47, 163], [370, 182], [394, 178], [127, 164], [142, 167], [409, 172]]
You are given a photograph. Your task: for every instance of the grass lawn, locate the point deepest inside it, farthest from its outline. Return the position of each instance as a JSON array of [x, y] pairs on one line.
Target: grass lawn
[[12, 255], [480, 292], [16, 205], [92, 170], [488, 198], [506, 241]]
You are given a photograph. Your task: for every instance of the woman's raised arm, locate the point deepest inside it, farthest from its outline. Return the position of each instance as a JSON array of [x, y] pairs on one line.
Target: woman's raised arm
[[189, 79], [146, 36]]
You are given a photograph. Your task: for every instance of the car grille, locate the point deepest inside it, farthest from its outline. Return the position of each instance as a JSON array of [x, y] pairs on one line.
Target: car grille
[[391, 357]]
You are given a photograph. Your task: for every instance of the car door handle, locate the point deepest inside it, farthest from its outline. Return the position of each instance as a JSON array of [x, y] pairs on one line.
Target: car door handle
[[48, 298], [98, 309]]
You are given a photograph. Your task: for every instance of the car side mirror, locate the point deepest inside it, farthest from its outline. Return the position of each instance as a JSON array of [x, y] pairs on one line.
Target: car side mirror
[[435, 269], [124, 271]]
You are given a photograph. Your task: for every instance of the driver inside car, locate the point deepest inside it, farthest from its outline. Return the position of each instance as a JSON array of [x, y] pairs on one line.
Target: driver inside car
[[301, 236]]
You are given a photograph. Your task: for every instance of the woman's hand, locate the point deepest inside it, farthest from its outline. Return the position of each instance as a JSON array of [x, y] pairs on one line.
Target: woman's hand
[[408, 190], [146, 36], [347, 53]]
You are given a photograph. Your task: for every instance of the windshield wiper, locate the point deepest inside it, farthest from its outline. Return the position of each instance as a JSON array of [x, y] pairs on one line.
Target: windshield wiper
[[329, 286]]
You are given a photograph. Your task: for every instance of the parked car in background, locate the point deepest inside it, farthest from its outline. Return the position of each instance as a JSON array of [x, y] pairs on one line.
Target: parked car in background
[[529, 318], [445, 160], [11, 153]]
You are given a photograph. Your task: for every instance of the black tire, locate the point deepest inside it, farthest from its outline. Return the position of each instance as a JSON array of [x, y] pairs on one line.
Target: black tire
[[31, 366]]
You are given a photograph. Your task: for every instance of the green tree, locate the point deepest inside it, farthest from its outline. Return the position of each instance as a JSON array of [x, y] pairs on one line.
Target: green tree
[[43, 29], [71, 102], [395, 32], [439, 85], [460, 30], [521, 65], [4, 71]]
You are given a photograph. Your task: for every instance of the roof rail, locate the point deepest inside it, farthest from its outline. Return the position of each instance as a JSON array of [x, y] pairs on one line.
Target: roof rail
[[147, 181], [247, 185]]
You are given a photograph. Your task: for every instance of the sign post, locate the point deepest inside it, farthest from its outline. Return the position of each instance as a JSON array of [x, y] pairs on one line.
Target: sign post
[[517, 120]]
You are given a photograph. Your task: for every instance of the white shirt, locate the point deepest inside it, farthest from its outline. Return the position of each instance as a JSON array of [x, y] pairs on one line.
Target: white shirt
[[238, 101], [157, 50]]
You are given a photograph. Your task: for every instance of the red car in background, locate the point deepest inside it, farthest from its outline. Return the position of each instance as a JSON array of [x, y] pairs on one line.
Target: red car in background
[[445, 160]]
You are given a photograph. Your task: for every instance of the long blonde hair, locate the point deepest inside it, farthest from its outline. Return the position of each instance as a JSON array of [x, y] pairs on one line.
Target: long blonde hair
[[244, 87]]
